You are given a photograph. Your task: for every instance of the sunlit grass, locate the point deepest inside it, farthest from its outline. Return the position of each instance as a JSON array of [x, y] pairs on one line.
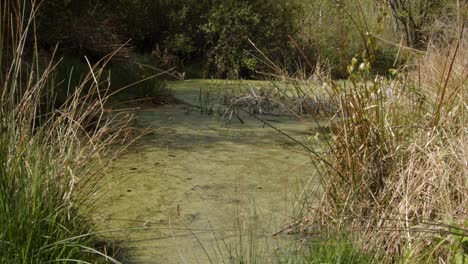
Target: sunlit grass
[[49, 156], [395, 168]]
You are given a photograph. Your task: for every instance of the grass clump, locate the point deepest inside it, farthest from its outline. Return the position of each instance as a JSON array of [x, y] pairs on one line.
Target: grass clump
[[338, 249], [49, 157], [396, 163]]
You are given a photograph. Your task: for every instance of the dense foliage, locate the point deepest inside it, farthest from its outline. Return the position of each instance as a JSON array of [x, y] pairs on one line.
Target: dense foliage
[[233, 23], [215, 33]]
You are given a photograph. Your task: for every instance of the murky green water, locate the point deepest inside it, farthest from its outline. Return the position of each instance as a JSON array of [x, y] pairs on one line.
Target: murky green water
[[197, 181]]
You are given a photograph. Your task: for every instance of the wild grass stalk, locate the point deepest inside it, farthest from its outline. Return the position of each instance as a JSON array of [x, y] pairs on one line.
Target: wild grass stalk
[[49, 158], [398, 158]]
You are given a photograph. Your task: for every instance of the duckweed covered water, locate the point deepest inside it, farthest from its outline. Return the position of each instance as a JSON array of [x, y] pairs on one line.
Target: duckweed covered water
[[197, 188]]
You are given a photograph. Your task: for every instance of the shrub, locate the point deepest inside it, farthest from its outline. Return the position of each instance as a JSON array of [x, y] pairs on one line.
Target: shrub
[[231, 24], [83, 28]]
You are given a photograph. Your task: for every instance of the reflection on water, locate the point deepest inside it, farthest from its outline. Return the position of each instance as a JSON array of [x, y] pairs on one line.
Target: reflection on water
[[196, 182]]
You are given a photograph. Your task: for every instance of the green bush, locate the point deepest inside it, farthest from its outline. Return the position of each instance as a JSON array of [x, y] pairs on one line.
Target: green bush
[[231, 24], [228, 30]]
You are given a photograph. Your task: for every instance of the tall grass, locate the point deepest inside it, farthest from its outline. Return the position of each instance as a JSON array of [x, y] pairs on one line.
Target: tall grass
[[49, 158], [128, 80], [397, 162]]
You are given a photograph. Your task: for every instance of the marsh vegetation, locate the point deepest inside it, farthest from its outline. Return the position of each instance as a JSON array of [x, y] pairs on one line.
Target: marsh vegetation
[[353, 111]]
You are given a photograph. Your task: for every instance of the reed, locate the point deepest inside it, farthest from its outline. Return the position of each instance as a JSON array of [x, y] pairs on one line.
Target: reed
[[397, 159], [49, 157]]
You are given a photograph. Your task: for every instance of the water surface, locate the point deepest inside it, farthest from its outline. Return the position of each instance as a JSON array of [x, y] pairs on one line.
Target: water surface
[[196, 187]]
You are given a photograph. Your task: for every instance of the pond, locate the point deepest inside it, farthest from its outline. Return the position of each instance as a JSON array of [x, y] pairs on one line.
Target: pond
[[199, 189]]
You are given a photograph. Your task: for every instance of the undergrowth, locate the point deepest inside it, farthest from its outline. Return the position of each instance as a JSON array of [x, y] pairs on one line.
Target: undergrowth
[[395, 170], [49, 156], [337, 249]]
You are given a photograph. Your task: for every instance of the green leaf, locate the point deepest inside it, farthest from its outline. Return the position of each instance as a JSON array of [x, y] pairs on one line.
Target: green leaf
[[392, 71], [460, 258]]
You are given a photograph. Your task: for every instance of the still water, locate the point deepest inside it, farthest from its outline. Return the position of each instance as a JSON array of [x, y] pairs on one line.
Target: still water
[[199, 190]]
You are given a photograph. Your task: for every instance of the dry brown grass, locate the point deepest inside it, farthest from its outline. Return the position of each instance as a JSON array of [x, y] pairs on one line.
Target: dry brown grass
[[399, 160]]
